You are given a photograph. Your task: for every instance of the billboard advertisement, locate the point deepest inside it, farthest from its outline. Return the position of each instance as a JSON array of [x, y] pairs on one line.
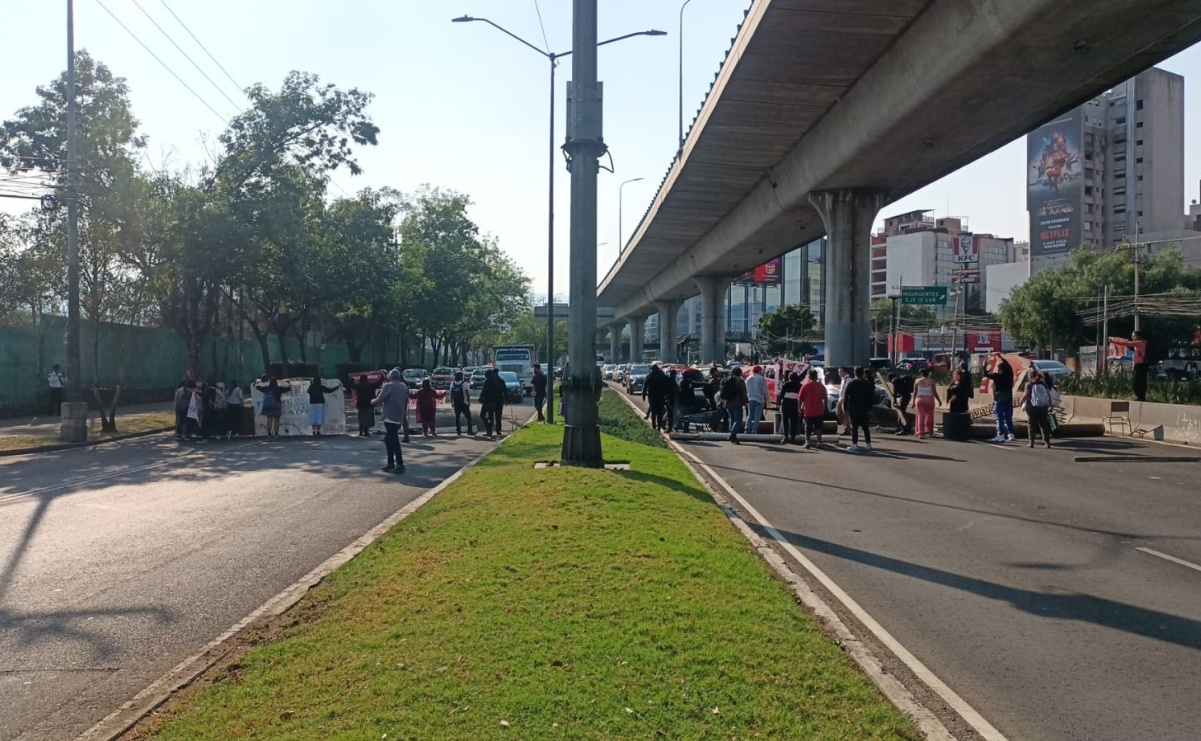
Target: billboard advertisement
[[1054, 185], [966, 248], [767, 274]]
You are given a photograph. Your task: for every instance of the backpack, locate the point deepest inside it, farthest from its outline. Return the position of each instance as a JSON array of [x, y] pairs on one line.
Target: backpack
[[456, 392], [729, 389], [1039, 396]]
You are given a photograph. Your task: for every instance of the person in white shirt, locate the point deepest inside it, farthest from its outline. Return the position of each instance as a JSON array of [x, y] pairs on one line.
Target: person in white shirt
[[756, 397], [233, 408], [58, 383]]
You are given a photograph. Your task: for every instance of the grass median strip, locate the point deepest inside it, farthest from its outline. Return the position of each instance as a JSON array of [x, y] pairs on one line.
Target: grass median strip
[[129, 425], [528, 603]]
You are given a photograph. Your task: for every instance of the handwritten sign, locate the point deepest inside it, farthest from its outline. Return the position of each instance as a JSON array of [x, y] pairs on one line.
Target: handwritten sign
[[294, 419]]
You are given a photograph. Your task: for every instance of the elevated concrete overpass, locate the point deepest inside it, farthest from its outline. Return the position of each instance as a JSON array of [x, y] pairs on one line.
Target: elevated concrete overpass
[[826, 110]]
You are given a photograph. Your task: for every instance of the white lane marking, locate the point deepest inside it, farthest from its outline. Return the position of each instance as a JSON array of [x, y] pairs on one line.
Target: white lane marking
[[112, 474], [1166, 557], [957, 703]]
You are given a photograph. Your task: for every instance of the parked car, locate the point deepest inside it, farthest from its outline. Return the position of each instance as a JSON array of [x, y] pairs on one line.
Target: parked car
[[442, 377], [1053, 368], [414, 376], [636, 378], [514, 393], [607, 371], [477, 378], [913, 365]]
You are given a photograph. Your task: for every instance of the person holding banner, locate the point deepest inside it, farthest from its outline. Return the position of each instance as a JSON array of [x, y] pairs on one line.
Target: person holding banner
[[1139, 346]]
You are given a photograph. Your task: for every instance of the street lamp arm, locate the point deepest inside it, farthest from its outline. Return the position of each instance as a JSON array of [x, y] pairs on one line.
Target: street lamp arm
[[507, 32], [652, 32]]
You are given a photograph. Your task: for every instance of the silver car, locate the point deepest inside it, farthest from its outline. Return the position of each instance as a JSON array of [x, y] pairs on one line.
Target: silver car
[[636, 378]]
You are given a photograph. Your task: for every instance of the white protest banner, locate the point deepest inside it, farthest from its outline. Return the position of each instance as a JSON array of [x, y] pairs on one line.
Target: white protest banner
[[294, 402]]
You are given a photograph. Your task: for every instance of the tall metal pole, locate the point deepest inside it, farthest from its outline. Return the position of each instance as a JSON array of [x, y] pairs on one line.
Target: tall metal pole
[[680, 139], [1137, 251], [582, 385], [1105, 331], [550, 258], [621, 242], [74, 379]]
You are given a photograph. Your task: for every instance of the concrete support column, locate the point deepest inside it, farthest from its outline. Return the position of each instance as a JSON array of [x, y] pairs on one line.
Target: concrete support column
[[615, 330], [668, 311], [848, 215], [713, 317], [637, 338]]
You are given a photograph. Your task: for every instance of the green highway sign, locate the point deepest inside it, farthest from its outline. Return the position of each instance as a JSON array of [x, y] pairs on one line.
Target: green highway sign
[[925, 296]]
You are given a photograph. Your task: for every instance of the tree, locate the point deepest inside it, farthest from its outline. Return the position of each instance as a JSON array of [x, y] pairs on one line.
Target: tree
[[784, 331]]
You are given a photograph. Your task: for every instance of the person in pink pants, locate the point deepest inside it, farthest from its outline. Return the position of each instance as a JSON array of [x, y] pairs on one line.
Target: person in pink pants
[[926, 394]]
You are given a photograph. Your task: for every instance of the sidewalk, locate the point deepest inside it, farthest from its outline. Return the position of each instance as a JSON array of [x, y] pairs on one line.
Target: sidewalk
[[46, 424]]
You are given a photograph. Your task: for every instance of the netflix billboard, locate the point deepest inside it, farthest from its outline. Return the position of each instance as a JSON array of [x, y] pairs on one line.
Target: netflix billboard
[[767, 274], [1055, 185]]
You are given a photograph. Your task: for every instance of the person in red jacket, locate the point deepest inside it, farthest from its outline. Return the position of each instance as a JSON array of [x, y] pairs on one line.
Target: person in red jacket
[[813, 408]]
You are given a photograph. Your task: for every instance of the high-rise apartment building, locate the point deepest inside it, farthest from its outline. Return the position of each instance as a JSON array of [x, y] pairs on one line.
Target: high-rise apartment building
[[1109, 170]]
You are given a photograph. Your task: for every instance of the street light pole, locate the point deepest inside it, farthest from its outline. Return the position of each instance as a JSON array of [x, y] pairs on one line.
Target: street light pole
[[72, 429], [680, 150], [553, 58], [621, 242]]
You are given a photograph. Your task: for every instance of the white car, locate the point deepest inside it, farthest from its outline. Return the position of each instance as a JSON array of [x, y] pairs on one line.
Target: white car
[[607, 371]]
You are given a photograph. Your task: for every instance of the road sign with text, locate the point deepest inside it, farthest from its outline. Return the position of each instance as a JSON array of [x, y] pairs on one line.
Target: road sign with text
[[925, 296]]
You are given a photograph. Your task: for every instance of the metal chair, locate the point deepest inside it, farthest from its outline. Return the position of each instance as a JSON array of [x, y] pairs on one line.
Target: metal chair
[[1119, 414]]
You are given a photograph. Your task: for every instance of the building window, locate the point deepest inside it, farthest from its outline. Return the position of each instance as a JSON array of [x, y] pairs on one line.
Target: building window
[[1138, 125], [1139, 160], [1120, 120], [1140, 178], [1119, 175], [1119, 211], [1117, 192], [1138, 143], [1088, 190], [1140, 213], [1088, 226], [1138, 104]]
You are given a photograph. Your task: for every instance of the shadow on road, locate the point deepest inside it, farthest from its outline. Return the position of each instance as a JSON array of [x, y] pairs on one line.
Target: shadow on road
[[1082, 608]]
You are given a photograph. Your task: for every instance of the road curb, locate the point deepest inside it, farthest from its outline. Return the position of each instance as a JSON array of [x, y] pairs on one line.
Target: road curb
[[183, 674], [1136, 459], [927, 723], [55, 447]]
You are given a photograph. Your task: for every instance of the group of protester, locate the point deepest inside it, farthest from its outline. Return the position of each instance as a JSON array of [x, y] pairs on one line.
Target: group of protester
[[207, 409], [740, 399]]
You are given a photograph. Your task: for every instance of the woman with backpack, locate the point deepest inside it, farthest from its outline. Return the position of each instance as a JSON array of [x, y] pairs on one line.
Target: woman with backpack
[[1037, 402], [273, 404]]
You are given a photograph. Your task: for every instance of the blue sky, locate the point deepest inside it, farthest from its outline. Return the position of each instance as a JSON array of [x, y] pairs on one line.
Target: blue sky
[[462, 106]]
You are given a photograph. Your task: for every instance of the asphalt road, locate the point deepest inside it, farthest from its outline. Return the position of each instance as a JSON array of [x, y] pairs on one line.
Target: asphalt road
[[117, 562], [1014, 574]]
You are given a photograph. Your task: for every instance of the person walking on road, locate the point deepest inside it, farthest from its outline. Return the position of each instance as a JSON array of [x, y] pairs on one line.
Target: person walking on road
[[756, 396], [654, 391], [840, 409], [539, 383], [460, 399], [790, 408], [926, 392], [814, 400], [1037, 402], [902, 392], [393, 401], [1002, 395], [733, 395], [860, 398], [492, 401], [57, 381], [317, 392], [363, 394], [1139, 345]]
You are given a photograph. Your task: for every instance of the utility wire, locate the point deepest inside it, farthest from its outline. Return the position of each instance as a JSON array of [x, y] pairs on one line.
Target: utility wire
[[164, 64], [186, 56], [545, 42], [202, 46]]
